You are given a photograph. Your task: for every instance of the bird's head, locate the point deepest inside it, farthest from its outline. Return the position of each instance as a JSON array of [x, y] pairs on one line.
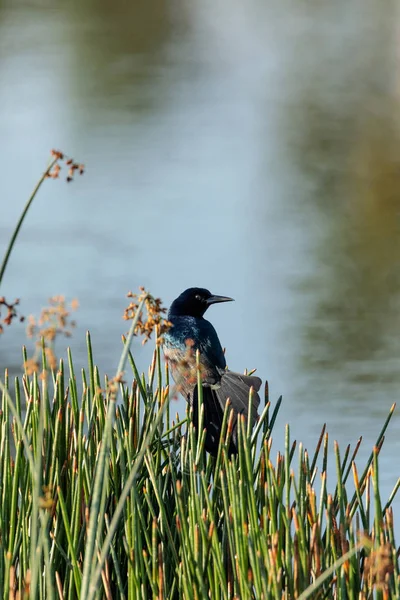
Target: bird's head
[[194, 302]]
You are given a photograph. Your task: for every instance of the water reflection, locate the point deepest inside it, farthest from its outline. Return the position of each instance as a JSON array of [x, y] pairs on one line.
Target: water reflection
[[339, 138], [358, 284], [114, 53]]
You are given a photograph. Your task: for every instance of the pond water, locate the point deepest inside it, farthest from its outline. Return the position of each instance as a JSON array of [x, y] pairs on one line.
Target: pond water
[[253, 149]]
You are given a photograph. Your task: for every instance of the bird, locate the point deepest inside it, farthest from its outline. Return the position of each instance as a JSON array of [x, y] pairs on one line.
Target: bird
[[189, 332]]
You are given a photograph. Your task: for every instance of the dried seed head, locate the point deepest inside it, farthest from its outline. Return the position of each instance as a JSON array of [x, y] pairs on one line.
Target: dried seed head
[[54, 321], [11, 312], [54, 171], [150, 318]]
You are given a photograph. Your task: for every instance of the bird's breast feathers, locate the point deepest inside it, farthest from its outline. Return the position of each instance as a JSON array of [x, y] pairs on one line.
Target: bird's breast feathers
[[183, 330], [187, 335], [195, 334]]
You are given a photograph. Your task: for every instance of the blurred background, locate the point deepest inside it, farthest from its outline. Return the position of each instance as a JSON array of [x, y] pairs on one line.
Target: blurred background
[[253, 149]]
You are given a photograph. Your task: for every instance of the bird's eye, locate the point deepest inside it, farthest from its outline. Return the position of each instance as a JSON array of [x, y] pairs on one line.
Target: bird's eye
[[198, 297]]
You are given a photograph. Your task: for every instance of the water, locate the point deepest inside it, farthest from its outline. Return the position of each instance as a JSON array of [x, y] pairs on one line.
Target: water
[[253, 150]]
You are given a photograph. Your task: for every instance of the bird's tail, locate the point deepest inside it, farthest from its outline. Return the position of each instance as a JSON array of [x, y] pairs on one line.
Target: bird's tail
[[236, 387]]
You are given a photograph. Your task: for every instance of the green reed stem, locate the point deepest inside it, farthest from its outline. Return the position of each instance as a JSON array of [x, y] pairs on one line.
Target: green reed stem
[[22, 218]]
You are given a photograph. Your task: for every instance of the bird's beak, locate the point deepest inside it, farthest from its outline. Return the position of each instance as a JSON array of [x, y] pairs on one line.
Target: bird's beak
[[215, 299]]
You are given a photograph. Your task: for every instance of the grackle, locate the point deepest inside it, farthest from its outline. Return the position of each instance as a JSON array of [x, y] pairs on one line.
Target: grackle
[[189, 332]]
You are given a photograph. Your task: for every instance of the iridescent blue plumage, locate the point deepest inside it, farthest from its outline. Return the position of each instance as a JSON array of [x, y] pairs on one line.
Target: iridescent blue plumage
[[191, 332], [202, 333]]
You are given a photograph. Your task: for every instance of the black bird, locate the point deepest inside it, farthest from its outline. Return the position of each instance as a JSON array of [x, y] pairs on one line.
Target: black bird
[[189, 332]]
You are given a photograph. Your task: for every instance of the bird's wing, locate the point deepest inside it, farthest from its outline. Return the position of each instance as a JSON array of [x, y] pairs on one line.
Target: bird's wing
[[209, 345], [236, 387]]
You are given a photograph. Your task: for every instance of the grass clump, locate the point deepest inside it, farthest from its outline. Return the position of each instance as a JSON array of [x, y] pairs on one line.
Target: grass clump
[[102, 496]]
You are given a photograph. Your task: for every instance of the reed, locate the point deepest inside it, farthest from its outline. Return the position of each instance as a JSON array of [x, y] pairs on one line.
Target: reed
[[103, 496]]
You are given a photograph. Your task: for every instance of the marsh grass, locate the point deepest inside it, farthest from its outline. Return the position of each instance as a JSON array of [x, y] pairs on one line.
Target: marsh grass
[[102, 496]]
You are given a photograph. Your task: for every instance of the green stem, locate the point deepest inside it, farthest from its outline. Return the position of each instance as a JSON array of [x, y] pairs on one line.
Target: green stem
[[101, 468], [22, 217]]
